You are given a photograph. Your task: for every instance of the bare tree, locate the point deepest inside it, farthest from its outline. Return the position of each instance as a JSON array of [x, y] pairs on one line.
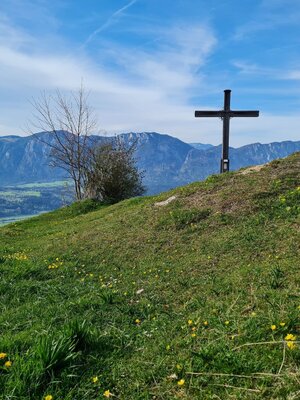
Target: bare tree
[[69, 121]]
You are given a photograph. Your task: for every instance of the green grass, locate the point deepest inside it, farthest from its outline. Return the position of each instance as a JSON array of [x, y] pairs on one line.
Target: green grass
[[16, 194], [145, 297], [43, 184]]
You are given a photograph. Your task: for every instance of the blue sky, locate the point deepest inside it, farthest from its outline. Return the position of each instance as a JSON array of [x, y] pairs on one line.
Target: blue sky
[[150, 63]]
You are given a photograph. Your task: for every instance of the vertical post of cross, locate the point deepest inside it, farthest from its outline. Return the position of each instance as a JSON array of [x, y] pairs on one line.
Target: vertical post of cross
[[226, 121]]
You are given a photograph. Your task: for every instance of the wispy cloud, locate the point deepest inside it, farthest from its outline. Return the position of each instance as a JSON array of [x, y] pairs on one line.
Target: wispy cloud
[[152, 93], [147, 83], [247, 68], [271, 14], [110, 21]]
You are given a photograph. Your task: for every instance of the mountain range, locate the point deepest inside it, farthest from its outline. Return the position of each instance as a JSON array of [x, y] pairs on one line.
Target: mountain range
[[167, 162]]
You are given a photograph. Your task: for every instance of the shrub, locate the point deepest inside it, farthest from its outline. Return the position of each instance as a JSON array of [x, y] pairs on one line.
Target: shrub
[[113, 175]]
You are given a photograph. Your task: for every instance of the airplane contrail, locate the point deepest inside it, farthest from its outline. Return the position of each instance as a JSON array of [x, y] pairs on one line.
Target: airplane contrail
[[110, 20]]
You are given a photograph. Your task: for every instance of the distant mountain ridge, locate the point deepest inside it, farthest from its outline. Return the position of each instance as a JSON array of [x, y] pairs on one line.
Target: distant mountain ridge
[[167, 162]]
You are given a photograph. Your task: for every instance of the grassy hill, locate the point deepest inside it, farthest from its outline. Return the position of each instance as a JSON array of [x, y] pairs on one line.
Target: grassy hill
[[195, 299]]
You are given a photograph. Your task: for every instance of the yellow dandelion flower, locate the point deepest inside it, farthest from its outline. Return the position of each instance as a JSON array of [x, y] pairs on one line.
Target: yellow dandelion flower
[[8, 364], [290, 336], [273, 327], [181, 382], [194, 328], [193, 335], [291, 345], [226, 322], [190, 322], [3, 355], [205, 323], [137, 321], [49, 397], [95, 379], [282, 324], [107, 394]]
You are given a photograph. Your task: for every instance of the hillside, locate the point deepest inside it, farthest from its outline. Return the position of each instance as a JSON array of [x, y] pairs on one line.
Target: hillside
[[195, 298]]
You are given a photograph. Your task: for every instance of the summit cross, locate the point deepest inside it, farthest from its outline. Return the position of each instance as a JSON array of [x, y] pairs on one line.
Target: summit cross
[[225, 115]]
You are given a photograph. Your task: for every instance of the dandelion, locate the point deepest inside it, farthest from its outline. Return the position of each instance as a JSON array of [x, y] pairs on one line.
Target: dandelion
[[95, 379], [282, 324], [190, 322], [205, 323], [226, 322], [273, 327], [107, 394], [17, 256], [49, 397], [3, 355], [194, 328], [291, 345], [193, 335], [137, 321], [181, 382], [7, 364], [290, 336]]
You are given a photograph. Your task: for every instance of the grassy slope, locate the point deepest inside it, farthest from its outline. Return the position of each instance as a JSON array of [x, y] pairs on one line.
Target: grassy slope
[[224, 255]]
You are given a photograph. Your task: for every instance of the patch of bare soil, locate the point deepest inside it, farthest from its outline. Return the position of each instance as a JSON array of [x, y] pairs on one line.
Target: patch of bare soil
[[255, 168]]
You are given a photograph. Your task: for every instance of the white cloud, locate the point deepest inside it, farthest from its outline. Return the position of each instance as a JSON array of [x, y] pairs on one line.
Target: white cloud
[[150, 94]]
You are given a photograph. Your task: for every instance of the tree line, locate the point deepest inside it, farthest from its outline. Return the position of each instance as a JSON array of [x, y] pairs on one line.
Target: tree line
[[106, 172]]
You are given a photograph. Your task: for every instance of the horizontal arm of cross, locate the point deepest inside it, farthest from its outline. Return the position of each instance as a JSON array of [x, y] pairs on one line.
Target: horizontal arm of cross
[[230, 114], [209, 113], [243, 113]]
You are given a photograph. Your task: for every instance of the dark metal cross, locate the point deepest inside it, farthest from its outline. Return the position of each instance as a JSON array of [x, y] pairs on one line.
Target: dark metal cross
[[226, 114]]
